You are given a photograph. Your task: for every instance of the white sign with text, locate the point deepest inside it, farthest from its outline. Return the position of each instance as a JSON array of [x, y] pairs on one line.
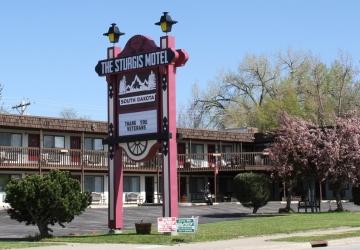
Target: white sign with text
[[137, 99], [166, 224], [136, 123]]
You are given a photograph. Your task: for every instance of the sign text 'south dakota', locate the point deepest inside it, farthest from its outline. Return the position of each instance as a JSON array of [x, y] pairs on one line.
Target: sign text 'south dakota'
[[152, 59], [137, 99]]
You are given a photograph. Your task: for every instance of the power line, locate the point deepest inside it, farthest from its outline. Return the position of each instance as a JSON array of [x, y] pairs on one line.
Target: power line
[[21, 108]]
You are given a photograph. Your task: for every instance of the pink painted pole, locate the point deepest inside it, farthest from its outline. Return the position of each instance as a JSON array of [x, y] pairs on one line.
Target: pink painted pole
[[117, 223], [115, 210], [170, 200]]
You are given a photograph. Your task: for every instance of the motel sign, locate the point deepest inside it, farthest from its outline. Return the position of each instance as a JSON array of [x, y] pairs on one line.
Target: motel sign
[[141, 114]]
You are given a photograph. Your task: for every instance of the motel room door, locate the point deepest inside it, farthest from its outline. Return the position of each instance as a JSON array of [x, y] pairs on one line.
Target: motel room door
[[181, 151], [211, 158], [75, 144], [34, 147], [149, 189]]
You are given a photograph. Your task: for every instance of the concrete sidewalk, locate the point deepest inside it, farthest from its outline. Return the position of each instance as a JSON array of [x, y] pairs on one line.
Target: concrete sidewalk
[[244, 243]]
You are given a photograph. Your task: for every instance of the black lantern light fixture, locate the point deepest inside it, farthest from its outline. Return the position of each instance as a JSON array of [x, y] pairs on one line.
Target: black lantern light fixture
[[113, 33], [166, 22]]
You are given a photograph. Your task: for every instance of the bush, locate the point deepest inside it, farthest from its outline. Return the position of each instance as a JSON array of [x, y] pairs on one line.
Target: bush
[[46, 200], [252, 190]]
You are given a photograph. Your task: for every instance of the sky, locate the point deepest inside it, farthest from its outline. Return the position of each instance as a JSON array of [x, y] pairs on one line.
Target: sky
[[48, 49]]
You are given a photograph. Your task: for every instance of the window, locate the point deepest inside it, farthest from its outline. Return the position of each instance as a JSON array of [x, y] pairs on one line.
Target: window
[[197, 148], [198, 152], [52, 141], [227, 149], [94, 183], [10, 139], [5, 178], [93, 144], [132, 184], [197, 184]]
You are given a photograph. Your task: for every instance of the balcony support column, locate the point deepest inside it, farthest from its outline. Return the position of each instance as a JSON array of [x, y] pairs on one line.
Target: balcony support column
[[215, 184], [40, 151], [82, 163]]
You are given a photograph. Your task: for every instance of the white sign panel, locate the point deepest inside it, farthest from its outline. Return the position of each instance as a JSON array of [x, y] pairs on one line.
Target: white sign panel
[[137, 123], [166, 224], [137, 99]]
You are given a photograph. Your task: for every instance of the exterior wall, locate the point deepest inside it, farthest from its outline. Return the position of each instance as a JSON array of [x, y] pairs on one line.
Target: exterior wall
[[142, 191], [67, 135], [26, 125]]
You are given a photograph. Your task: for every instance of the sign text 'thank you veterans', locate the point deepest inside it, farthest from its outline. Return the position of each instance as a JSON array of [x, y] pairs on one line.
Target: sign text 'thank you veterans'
[[151, 59]]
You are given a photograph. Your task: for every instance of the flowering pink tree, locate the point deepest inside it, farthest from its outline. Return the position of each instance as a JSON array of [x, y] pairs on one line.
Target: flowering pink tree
[[304, 152], [341, 154], [295, 153], [290, 150]]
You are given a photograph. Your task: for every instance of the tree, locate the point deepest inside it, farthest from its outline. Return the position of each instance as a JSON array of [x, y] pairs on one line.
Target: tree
[[235, 94], [295, 154], [341, 154], [70, 113], [252, 190], [46, 200], [2, 108], [194, 114], [299, 83], [305, 152]]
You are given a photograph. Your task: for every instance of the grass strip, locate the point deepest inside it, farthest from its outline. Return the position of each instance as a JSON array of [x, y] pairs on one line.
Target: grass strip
[[24, 244], [321, 237], [247, 226]]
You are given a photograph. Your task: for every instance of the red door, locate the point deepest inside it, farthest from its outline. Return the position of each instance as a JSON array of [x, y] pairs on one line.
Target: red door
[[211, 158], [34, 147], [181, 154], [75, 146]]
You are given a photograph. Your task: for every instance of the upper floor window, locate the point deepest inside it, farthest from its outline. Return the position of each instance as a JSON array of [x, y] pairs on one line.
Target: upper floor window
[[226, 148], [197, 148], [93, 144], [10, 139], [54, 141]]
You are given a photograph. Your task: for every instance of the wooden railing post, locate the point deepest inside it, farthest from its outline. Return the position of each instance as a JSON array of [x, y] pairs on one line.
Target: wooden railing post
[[82, 162], [40, 151]]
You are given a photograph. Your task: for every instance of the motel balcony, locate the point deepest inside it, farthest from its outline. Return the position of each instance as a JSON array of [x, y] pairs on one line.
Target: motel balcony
[[37, 159]]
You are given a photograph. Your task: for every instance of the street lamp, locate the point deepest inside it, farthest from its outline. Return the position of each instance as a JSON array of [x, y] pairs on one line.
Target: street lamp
[[166, 22], [113, 33]]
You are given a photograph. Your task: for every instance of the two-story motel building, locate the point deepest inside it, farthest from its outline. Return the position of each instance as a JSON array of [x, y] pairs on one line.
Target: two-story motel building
[[35, 145]]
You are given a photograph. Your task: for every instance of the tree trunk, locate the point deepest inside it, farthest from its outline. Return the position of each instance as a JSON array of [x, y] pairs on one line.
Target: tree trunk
[[288, 197], [338, 200], [312, 194], [255, 209], [44, 230]]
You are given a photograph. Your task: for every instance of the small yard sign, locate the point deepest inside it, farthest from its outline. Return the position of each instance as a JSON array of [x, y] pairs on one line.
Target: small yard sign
[[166, 224], [187, 225]]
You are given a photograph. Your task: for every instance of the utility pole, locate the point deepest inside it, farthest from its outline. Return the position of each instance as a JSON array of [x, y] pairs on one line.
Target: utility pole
[[21, 108]]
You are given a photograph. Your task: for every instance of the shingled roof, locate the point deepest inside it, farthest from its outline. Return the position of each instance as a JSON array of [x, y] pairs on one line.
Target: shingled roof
[[215, 135], [50, 123], [100, 127]]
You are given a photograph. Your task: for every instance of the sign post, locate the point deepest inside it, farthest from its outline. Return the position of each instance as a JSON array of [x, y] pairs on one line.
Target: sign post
[[141, 114]]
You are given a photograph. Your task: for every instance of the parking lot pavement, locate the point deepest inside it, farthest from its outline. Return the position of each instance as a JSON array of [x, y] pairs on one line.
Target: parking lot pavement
[[94, 220]]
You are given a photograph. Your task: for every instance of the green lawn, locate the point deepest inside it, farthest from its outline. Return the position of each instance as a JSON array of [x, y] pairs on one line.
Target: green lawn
[[248, 226], [23, 244], [321, 237]]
